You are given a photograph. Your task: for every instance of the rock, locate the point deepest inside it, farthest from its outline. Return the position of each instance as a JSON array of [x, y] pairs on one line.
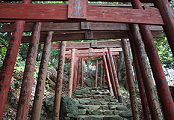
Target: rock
[[112, 107], [108, 112], [82, 111], [94, 107], [126, 114], [116, 112], [96, 112], [89, 83], [121, 107], [68, 107], [116, 117], [81, 106], [84, 102], [49, 103], [78, 92]]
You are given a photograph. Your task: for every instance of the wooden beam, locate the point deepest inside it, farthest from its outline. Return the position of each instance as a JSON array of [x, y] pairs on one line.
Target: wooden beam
[[78, 26], [78, 45], [59, 12], [81, 36], [144, 1]]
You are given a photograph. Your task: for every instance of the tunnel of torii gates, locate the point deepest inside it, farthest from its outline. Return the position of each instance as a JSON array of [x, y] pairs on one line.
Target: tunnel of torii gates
[[81, 21]]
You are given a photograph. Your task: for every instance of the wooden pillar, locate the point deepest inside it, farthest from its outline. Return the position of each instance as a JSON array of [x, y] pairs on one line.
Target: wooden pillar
[[168, 18], [101, 74], [130, 80], [36, 110], [104, 75], [96, 74], [71, 73], [27, 82], [58, 89], [107, 74], [75, 73], [158, 73], [150, 89], [115, 76], [82, 73], [78, 75], [144, 102], [114, 87], [10, 59]]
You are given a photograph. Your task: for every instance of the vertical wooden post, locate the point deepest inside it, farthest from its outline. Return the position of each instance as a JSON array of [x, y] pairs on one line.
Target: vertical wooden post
[[10, 59], [144, 102], [82, 73], [107, 74], [59, 80], [36, 110], [71, 73], [115, 76], [101, 74], [150, 89], [96, 74], [104, 75], [75, 73], [158, 73], [78, 75], [27, 82], [130, 80], [168, 18], [114, 87]]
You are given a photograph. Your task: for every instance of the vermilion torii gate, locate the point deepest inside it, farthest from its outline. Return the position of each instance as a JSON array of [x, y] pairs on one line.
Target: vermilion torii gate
[[26, 11]]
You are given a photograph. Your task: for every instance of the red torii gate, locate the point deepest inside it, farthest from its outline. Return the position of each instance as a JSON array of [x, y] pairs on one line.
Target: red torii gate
[[150, 17]]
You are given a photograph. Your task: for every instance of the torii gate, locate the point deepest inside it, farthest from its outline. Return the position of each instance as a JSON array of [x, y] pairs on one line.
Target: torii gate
[[41, 12]]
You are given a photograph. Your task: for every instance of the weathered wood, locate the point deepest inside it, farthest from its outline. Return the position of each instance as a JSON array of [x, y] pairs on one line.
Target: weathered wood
[[168, 18], [150, 88], [82, 72], [130, 81], [58, 89], [96, 73], [158, 73], [107, 74], [78, 75], [81, 36], [93, 43], [139, 76], [145, 1], [71, 73], [101, 74], [115, 76], [10, 59], [27, 82], [89, 35], [36, 110], [59, 12], [114, 87], [78, 45], [9, 62], [77, 8], [78, 26]]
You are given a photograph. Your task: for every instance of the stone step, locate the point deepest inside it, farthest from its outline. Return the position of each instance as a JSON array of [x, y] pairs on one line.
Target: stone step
[[99, 101], [102, 117], [103, 107], [97, 112], [91, 96], [91, 92]]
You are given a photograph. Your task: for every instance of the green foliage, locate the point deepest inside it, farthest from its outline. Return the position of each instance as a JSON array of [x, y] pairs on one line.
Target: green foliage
[[164, 52]]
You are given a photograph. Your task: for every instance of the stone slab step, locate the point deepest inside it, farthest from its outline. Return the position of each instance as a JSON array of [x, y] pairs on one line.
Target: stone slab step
[[100, 117], [97, 112], [103, 107], [99, 101]]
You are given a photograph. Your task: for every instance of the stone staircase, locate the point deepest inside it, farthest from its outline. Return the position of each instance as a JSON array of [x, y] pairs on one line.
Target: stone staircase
[[98, 104]]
